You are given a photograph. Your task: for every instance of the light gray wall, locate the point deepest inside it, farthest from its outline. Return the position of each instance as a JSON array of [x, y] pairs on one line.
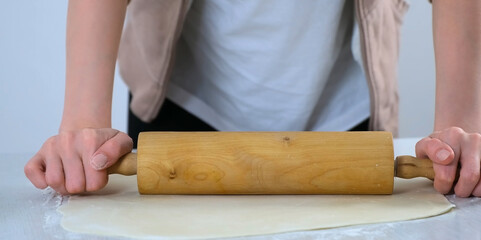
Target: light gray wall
[[416, 72], [32, 73]]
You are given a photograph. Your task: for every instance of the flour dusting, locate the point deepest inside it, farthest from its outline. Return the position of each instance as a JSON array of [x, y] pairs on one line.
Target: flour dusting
[[51, 220]]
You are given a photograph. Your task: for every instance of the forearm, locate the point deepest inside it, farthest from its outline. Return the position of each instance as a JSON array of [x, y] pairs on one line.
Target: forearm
[[93, 35], [457, 42]]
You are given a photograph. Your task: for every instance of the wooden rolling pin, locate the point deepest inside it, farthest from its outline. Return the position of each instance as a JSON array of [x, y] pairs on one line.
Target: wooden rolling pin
[[268, 163]]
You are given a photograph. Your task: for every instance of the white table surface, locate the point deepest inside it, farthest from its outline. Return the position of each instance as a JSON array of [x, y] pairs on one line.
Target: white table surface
[[29, 213]]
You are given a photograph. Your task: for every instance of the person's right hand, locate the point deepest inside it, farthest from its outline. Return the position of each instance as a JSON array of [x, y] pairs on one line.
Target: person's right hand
[[76, 161]]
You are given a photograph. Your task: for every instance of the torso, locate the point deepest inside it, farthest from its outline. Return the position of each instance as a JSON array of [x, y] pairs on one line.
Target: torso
[[270, 66]]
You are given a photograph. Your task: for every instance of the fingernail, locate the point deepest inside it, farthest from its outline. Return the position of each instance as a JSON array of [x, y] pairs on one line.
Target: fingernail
[[98, 161], [442, 155]]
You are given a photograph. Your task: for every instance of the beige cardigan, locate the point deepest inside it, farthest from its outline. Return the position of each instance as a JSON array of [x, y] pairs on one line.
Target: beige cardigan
[[153, 27]]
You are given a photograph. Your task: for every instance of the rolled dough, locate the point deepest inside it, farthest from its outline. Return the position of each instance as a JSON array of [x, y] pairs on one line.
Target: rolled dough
[[119, 210]]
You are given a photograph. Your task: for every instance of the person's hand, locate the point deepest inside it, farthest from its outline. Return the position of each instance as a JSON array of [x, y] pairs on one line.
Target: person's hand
[[76, 161], [448, 149]]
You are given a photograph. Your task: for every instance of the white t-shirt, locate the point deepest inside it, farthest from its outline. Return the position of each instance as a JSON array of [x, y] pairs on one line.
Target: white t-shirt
[[270, 65]]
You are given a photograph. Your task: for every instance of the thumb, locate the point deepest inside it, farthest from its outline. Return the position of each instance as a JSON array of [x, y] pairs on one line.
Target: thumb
[[436, 150], [111, 150]]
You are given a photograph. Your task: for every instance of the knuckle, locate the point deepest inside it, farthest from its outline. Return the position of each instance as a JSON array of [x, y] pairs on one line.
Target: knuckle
[[445, 179], [50, 150], [75, 187], [67, 140], [475, 138], [89, 137], [429, 147], [471, 177], [96, 185], [54, 180], [113, 147], [29, 169], [50, 143], [129, 142], [420, 143], [433, 146], [120, 145], [454, 132], [87, 133]]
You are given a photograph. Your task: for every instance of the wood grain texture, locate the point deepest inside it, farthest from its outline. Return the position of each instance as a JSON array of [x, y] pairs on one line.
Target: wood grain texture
[[265, 163], [411, 167], [126, 165]]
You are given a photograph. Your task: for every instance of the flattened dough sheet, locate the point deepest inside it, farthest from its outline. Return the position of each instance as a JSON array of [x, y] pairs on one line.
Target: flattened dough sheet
[[118, 210]]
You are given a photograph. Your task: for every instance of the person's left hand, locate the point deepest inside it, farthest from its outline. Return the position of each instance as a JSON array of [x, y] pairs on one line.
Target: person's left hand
[[448, 149]]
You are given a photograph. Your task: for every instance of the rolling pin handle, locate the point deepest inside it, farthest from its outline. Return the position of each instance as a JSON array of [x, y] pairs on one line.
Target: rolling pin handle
[[126, 165], [411, 167]]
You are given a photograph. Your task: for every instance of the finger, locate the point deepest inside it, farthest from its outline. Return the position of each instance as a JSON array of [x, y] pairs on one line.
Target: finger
[[436, 150], [94, 179], [477, 190], [111, 150], [74, 181], [74, 174], [470, 166], [444, 177], [54, 174], [35, 171], [108, 153]]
